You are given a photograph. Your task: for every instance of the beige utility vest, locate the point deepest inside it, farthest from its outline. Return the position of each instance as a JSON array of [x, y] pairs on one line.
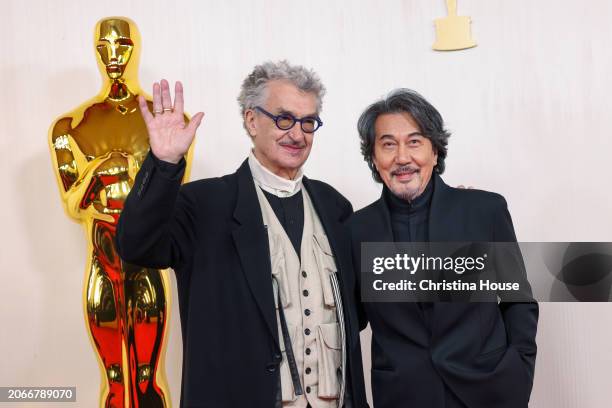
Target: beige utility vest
[[309, 295]]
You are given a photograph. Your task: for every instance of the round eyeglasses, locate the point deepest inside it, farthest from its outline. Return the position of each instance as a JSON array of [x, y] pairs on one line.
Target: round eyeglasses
[[286, 121]]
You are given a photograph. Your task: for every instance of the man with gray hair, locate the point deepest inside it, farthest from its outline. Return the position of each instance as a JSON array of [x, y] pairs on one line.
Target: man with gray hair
[[439, 354], [261, 256]]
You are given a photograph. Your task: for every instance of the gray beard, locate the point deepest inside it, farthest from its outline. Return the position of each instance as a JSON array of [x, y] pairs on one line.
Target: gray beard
[[407, 195]]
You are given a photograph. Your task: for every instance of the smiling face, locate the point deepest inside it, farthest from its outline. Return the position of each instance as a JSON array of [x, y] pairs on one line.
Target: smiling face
[[114, 46], [282, 152], [403, 156]]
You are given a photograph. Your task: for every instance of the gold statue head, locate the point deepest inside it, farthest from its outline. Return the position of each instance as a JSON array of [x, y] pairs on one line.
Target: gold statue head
[[118, 47]]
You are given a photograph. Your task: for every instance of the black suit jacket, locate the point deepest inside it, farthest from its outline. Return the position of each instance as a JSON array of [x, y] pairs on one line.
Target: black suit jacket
[[476, 355], [211, 233]]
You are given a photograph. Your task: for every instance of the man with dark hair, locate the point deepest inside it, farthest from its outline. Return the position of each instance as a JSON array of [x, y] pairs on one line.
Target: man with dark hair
[[434, 355]]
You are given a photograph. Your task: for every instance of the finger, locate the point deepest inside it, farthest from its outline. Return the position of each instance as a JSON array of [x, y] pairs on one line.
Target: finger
[[165, 95], [195, 122], [178, 98], [157, 103], [144, 109]]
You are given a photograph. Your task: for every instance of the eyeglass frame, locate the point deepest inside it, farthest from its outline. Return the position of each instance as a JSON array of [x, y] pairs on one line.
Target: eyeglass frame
[[275, 118]]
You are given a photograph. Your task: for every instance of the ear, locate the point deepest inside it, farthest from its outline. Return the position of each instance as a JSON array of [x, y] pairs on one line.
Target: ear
[[249, 122]]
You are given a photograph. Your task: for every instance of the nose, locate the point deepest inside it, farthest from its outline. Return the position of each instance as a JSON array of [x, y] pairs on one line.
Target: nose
[[112, 52], [403, 156], [296, 133]]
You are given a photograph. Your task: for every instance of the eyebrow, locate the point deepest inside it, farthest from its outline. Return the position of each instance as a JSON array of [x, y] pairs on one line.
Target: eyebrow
[[119, 40], [387, 135]]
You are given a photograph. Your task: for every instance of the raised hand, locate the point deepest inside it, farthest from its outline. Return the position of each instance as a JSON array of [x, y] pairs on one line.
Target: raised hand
[[169, 135]]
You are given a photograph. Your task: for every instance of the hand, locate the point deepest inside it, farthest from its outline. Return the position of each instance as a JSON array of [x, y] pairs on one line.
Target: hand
[[169, 136]]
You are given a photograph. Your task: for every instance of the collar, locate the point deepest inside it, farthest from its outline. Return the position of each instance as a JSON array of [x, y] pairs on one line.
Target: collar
[[418, 204], [272, 183]]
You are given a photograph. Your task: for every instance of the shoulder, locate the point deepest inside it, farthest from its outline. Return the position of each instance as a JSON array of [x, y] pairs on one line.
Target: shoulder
[[475, 195], [213, 194], [365, 212], [326, 190], [214, 185], [478, 202], [60, 127], [361, 220], [331, 195], [480, 199]]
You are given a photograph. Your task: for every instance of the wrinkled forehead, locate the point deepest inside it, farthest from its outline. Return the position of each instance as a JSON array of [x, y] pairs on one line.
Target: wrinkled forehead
[[113, 29], [286, 96], [396, 123]]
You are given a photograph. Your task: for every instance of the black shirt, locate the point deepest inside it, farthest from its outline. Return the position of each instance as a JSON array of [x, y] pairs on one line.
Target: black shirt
[[410, 223], [290, 213], [409, 220]]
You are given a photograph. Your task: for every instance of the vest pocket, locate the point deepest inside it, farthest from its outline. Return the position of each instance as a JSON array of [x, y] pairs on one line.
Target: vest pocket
[[287, 390], [326, 266], [329, 357]]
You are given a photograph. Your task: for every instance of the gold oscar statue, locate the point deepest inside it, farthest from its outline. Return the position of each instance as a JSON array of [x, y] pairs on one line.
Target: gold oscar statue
[[97, 150], [453, 32]]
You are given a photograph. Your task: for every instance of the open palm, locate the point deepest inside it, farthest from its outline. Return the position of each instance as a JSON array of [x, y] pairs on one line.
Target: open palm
[[169, 135]]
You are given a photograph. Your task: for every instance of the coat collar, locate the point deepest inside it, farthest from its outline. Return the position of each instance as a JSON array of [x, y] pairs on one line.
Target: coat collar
[[246, 210], [439, 214], [272, 183], [251, 240]]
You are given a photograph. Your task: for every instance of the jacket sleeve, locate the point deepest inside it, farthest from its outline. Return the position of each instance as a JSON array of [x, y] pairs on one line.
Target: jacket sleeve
[[156, 228], [356, 258], [346, 215], [520, 317]]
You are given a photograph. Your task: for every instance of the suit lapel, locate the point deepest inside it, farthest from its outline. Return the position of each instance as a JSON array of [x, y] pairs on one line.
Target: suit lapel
[[442, 228], [334, 230], [440, 214], [251, 239], [380, 230]]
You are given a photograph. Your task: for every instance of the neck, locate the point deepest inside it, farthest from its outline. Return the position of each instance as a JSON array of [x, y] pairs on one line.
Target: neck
[[284, 173], [421, 190], [117, 90], [288, 174], [416, 197]]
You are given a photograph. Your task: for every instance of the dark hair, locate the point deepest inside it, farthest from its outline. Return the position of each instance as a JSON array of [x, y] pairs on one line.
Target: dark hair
[[428, 119]]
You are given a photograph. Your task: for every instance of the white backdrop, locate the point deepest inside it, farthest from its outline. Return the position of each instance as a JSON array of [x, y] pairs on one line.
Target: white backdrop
[[528, 110]]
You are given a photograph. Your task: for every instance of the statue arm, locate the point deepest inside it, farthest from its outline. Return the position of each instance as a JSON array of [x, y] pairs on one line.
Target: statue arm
[[76, 176]]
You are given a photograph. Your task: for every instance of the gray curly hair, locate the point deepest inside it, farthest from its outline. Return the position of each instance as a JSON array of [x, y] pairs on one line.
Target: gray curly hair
[[253, 89]]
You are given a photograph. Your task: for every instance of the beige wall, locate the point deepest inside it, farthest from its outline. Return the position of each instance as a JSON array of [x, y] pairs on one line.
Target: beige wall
[[528, 109]]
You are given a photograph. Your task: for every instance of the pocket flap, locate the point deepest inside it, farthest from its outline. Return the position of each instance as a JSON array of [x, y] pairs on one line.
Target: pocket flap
[[326, 266], [330, 333], [323, 243]]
